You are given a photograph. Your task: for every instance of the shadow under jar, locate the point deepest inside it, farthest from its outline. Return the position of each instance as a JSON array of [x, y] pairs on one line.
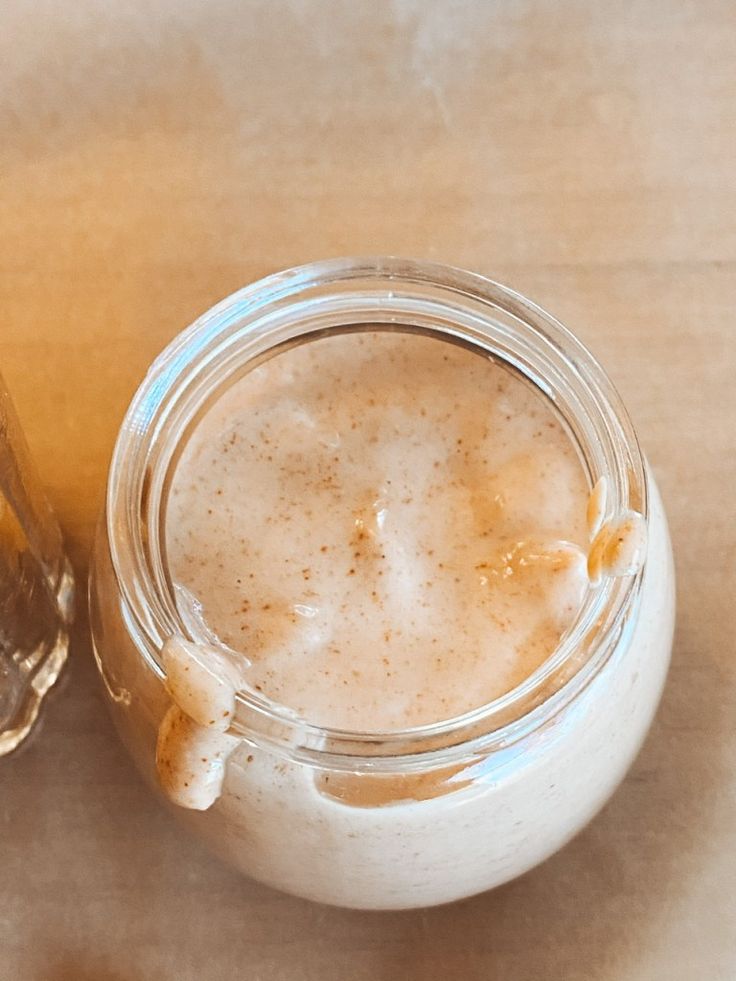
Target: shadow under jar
[[409, 816]]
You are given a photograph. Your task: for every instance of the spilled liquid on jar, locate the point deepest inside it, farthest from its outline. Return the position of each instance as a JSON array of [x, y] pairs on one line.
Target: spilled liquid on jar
[[388, 528]]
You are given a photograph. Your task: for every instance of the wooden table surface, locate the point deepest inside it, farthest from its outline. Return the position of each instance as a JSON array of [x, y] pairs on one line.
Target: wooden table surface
[[156, 156]]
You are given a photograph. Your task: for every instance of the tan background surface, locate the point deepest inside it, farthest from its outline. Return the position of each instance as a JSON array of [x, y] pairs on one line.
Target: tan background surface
[[156, 156]]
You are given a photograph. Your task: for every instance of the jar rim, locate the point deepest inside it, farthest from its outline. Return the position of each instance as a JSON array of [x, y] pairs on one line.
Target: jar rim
[[379, 293]]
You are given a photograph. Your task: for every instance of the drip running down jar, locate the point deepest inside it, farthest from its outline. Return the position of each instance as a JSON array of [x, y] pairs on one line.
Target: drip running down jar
[[382, 598]]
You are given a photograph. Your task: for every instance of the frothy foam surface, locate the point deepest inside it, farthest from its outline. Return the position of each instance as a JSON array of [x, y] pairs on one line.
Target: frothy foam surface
[[389, 527]]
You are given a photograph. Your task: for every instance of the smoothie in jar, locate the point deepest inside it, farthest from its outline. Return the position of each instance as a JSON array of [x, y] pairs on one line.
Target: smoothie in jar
[[383, 601]]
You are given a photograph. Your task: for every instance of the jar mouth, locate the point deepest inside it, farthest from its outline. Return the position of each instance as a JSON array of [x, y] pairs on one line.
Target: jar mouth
[[376, 293]]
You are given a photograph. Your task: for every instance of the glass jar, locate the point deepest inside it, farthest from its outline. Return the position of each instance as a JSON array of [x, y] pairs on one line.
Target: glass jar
[[36, 587], [434, 813]]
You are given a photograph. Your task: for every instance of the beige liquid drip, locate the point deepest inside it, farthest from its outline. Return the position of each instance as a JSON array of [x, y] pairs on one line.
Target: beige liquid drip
[[391, 529]]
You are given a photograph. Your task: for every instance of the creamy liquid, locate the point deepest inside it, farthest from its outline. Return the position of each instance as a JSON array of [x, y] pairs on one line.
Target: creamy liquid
[[408, 836], [390, 529]]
